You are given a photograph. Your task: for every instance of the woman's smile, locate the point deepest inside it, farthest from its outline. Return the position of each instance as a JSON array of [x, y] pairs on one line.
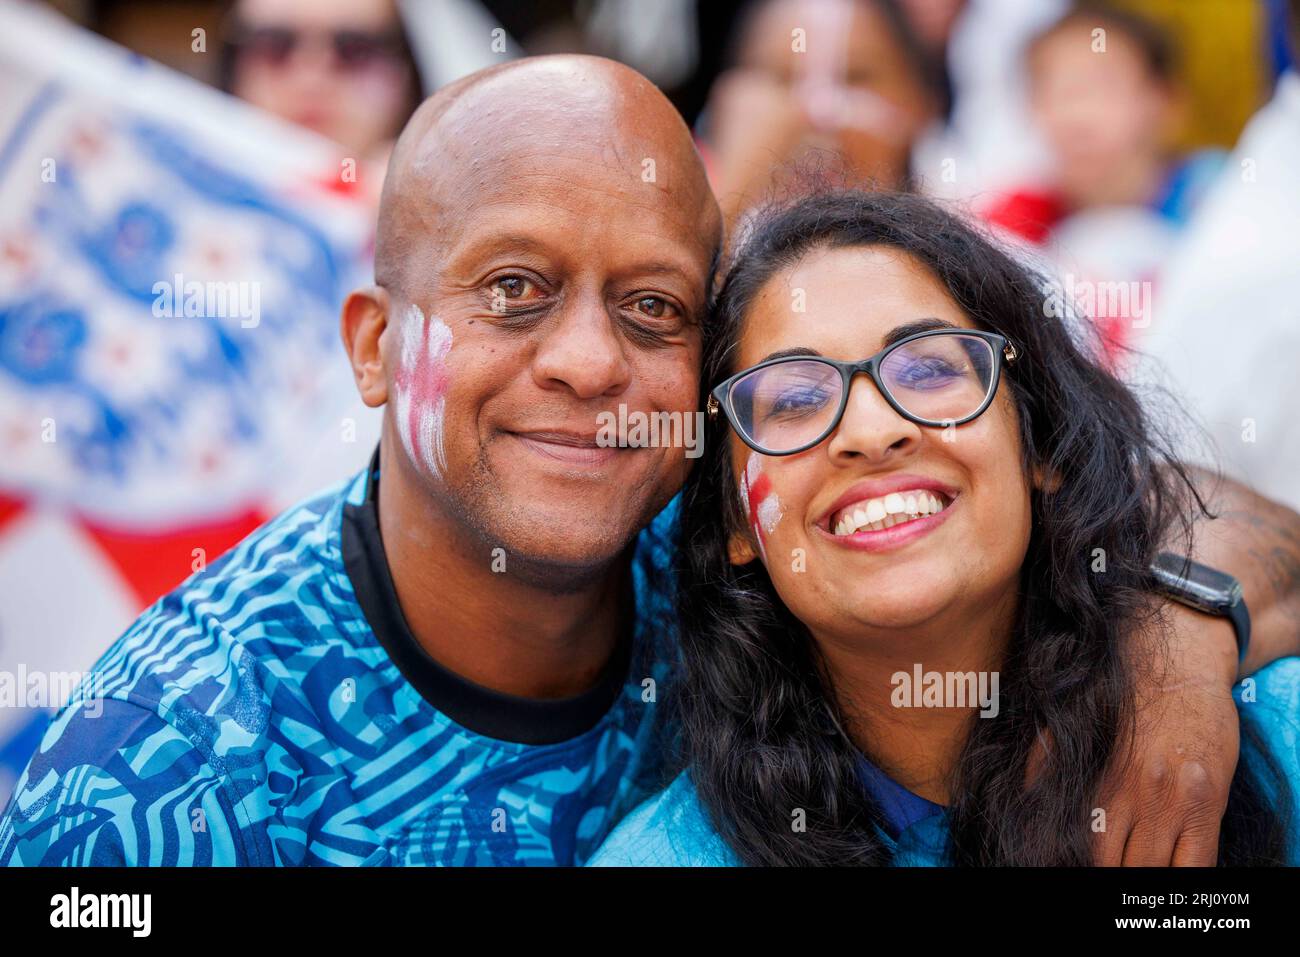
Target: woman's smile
[[882, 514]]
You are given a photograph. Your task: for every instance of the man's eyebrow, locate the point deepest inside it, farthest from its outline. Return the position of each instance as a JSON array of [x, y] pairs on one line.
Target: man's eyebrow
[[660, 267], [504, 241], [915, 326]]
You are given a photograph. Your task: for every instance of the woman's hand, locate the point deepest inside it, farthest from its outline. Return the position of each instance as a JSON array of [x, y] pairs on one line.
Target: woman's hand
[[1166, 794]]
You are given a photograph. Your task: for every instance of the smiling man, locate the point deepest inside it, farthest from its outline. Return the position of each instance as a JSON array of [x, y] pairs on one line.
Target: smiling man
[[453, 658], [457, 657]]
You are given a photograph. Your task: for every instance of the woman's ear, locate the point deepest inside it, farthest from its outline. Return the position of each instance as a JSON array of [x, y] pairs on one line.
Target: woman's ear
[[1044, 481], [740, 549]]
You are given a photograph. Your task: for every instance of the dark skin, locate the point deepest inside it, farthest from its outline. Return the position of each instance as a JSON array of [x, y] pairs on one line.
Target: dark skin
[[532, 264], [599, 276], [1190, 662]]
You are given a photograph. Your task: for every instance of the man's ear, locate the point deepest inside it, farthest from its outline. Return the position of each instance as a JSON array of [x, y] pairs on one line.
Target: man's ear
[[362, 325], [740, 549]]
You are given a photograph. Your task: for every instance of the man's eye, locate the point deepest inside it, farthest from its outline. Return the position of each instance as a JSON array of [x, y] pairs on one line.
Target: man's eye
[[653, 306], [513, 287]]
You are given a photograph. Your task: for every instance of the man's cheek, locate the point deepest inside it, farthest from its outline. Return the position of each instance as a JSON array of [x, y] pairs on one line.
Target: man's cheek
[[421, 383]]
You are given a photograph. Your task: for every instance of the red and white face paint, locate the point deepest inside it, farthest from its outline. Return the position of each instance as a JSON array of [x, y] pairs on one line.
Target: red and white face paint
[[760, 501], [420, 384]]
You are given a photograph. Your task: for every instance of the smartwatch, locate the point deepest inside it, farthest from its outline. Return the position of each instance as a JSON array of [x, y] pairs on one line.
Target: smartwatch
[[1206, 589]]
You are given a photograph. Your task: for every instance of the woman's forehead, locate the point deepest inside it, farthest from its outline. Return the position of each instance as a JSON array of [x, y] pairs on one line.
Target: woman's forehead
[[844, 299]]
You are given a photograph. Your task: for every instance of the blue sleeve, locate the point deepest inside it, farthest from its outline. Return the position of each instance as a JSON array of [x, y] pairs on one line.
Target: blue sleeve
[[671, 829], [113, 783], [1270, 700]]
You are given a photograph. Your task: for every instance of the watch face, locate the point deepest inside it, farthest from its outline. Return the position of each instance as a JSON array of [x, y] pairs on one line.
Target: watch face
[[1197, 584]]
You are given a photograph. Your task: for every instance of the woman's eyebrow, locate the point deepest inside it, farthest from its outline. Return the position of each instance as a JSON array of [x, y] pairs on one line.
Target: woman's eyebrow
[[787, 353], [915, 326], [898, 332]]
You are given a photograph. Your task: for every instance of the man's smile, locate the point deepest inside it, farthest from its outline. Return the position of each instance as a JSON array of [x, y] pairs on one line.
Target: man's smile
[[576, 450]]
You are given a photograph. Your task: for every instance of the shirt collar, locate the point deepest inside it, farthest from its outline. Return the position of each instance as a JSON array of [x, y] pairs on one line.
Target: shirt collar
[[900, 806], [481, 710]]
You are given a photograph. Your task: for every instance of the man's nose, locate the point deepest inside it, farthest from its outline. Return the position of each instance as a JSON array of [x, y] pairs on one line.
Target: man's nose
[[582, 351], [871, 429]]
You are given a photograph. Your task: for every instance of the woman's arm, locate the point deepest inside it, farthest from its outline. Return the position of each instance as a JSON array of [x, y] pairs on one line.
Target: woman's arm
[[1166, 796]]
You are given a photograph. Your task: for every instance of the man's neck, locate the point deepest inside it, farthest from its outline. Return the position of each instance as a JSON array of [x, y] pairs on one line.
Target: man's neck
[[487, 625], [918, 746]]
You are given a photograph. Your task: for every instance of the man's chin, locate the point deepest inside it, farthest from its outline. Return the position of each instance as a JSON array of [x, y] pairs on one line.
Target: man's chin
[[565, 550], [560, 574]]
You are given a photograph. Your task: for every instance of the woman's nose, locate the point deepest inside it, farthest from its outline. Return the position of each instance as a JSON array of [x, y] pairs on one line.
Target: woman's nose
[[871, 429]]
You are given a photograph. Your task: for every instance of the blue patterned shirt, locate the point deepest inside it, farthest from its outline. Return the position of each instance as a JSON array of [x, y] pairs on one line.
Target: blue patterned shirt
[[275, 709]]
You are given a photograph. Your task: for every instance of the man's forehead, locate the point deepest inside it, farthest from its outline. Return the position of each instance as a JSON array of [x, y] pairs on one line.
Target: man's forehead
[[552, 192], [487, 150], [630, 236]]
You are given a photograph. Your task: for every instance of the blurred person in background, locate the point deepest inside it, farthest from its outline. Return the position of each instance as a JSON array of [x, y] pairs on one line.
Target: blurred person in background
[[1110, 106], [339, 67], [1227, 332], [851, 78], [986, 141], [1104, 93]]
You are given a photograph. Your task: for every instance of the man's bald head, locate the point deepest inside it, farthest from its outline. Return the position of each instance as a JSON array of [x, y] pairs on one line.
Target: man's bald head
[[492, 131]]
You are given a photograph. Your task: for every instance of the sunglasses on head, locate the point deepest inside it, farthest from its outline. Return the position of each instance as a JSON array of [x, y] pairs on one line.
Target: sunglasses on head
[[351, 50]]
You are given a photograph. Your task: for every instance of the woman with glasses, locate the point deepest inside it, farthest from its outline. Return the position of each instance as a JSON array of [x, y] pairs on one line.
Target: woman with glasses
[[912, 557]]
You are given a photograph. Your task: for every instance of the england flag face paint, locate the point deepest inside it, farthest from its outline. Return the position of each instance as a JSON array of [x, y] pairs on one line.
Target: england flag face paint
[[421, 386], [760, 501]]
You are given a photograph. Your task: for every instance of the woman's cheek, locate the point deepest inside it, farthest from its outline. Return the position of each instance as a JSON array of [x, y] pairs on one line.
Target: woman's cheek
[[761, 502]]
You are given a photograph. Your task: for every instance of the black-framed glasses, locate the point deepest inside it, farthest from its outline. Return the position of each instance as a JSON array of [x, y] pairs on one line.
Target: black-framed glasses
[[939, 378]]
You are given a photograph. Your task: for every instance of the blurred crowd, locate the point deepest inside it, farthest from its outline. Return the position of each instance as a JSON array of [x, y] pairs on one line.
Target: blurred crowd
[[1143, 150], [1099, 135]]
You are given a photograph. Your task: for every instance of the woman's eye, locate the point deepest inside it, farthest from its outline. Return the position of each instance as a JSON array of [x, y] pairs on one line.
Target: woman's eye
[[798, 401], [929, 372]]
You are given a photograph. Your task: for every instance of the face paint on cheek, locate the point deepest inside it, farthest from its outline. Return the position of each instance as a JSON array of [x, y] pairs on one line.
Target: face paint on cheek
[[421, 385], [761, 501]]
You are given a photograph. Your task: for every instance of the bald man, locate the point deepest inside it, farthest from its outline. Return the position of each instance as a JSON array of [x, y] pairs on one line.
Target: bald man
[[457, 656], [452, 658]]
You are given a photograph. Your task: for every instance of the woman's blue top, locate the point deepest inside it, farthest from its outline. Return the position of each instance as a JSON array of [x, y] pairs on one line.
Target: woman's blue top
[[672, 829]]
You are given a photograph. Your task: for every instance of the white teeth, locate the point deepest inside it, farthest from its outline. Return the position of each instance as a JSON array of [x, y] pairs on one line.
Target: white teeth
[[893, 509]]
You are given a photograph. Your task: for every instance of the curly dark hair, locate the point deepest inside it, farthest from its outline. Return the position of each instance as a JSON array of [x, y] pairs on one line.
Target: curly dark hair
[[760, 728]]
